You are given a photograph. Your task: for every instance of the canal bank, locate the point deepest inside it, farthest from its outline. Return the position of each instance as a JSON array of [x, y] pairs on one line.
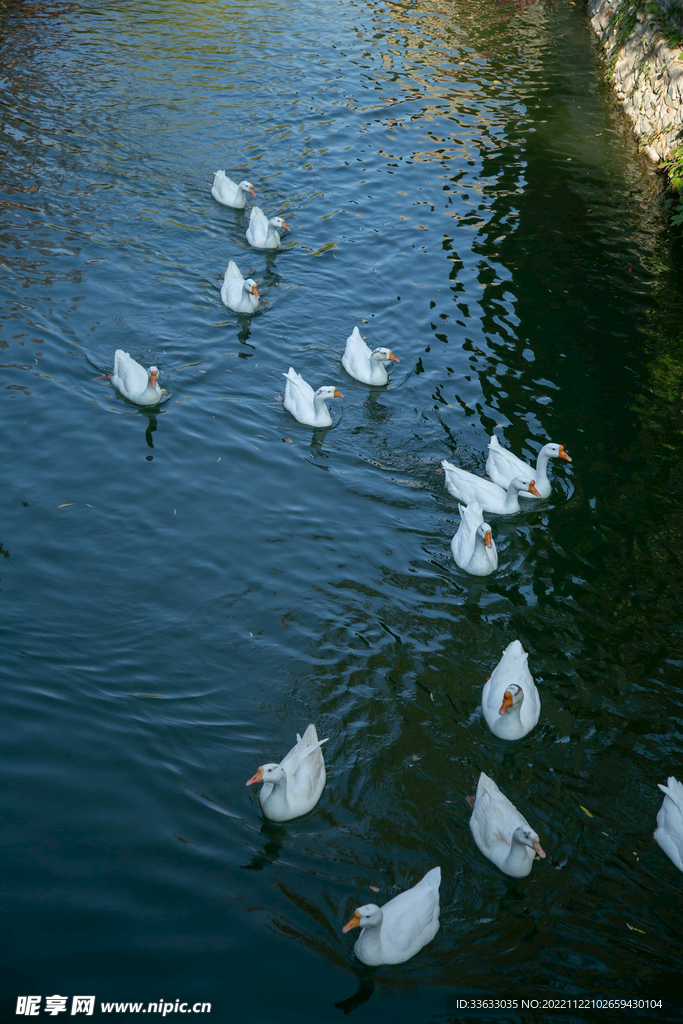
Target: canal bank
[[642, 44]]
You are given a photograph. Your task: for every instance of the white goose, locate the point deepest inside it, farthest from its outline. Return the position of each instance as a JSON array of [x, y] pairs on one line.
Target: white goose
[[473, 547], [135, 382], [306, 405], [293, 786], [263, 233], [501, 832], [467, 487], [669, 831], [226, 191], [236, 293], [366, 365], [397, 931], [502, 466], [510, 700]]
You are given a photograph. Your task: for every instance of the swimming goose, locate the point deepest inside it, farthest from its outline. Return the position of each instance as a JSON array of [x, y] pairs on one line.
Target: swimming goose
[[363, 363], [669, 831], [473, 547], [397, 931], [226, 191], [263, 233], [135, 382], [293, 786], [467, 487], [501, 832], [510, 700], [502, 466], [236, 293], [306, 405]]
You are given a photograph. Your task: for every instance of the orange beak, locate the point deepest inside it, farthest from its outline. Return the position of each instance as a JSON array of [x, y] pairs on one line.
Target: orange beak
[[254, 291], [393, 359], [563, 454], [488, 540], [337, 393], [252, 191], [353, 923], [285, 226], [506, 705], [256, 778], [538, 848], [533, 490], [153, 378]]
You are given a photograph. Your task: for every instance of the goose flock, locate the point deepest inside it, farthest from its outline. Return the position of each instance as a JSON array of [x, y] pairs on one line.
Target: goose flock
[[510, 701]]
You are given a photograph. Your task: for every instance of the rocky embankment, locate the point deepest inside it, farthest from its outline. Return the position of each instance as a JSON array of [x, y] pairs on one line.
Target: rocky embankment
[[645, 67]]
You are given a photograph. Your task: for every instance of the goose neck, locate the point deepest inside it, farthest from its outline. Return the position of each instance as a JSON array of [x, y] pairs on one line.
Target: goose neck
[[517, 861], [542, 467]]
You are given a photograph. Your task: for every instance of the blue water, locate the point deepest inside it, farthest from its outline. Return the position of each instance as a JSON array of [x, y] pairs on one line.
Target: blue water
[[184, 590]]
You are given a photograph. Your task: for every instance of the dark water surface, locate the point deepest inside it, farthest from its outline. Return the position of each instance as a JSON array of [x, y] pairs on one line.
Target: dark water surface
[[182, 591]]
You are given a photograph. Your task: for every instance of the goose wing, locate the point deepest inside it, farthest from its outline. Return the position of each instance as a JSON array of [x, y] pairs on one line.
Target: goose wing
[[128, 375], [464, 540], [502, 466], [298, 395], [669, 832], [411, 919], [233, 271], [257, 232], [356, 354]]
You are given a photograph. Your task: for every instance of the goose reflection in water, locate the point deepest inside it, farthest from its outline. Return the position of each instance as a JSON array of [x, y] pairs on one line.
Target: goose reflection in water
[[366, 986], [376, 411], [274, 834], [151, 427]]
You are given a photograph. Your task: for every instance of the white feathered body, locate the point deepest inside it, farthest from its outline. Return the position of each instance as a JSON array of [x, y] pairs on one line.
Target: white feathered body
[[361, 362], [669, 831], [518, 720], [134, 381], [502, 466], [228, 192], [409, 922], [261, 232], [470, 550], [467, 487], [303, 403], [304, 767], [493, 822], [238, 294]]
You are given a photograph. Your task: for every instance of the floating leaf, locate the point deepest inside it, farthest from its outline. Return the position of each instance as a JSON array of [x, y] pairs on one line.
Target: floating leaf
[[288, 439], [374, 888], [634, 929], [65, 506], [585, 810], [218, 459]]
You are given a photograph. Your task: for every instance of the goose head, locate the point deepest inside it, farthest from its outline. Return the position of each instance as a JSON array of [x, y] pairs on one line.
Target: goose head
[[513, 697], [322, 394], [278, 223], [368, 916], [153, 374], [384, 355], [520, 484], [268, 773], [556, 451], [484, 535], [527, 837], [250, 288], [246, 186]]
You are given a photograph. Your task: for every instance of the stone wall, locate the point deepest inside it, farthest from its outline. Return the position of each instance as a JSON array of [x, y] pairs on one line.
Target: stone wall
[[647, 73]]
